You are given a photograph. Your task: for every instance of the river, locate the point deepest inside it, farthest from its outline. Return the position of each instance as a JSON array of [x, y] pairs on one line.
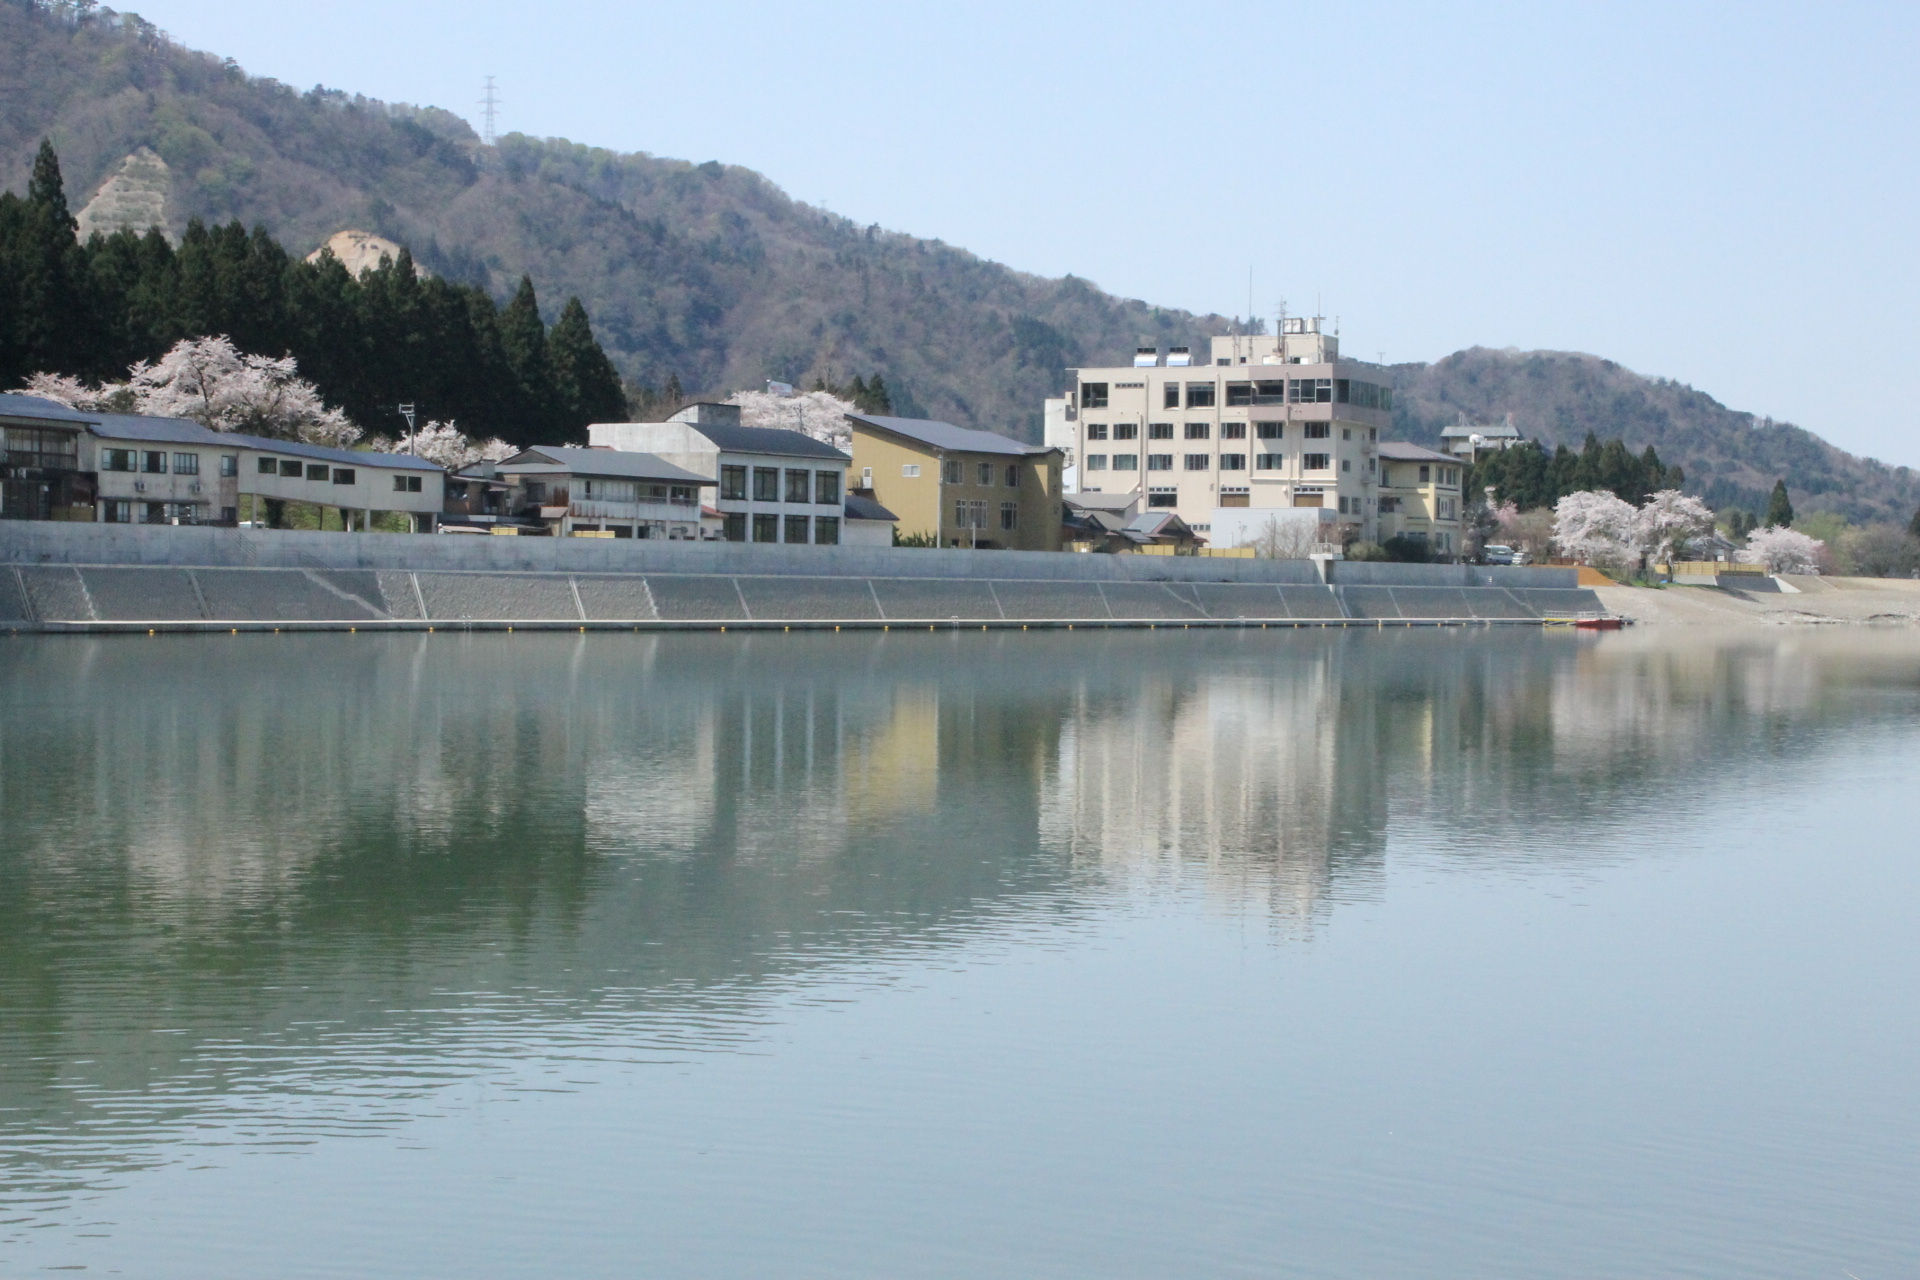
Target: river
[[1127, 954]]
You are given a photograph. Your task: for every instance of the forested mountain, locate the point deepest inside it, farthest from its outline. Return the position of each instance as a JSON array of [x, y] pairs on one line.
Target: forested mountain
[[709, 274]]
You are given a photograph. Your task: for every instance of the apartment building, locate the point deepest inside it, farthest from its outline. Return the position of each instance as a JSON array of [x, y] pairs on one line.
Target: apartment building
[[773, 485], [959, 487], [1419, 496], [1267, 422]]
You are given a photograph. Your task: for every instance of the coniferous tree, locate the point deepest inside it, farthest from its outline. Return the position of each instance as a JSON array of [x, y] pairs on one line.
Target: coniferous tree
[[584, 381], [1779, 507], [46, 266], [1913, 525], [878, 400], [523, 336]]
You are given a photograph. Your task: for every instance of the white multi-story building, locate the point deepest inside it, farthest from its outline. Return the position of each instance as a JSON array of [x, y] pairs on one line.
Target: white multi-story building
[[1273, 422]]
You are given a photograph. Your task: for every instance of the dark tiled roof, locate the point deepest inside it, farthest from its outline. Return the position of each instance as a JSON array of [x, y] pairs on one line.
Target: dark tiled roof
[[353, 457], [859, 508], [946, 436], [603, 462], [18, 406], [774, 440]]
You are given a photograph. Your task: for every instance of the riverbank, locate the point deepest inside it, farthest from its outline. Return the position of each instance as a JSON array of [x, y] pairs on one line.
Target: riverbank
[[1803, 601]]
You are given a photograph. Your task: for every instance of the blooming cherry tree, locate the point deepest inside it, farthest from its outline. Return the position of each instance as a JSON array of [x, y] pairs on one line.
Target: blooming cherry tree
[[819, 414], [1783, 550], [446, 444], [1669, 521], [1596, 525]]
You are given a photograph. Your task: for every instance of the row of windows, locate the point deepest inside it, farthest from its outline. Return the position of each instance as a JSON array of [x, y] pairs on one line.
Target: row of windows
[[984, 473], [1228, 431], [293, 469], [971, 513], [116, 511], [1448, 475], [154, 462], [1200, 461], [1200, 395], [800, 486], [821, 531]]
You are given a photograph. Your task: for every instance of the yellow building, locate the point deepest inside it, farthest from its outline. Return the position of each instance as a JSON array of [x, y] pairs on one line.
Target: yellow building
[[1420, 496], [961, 487]]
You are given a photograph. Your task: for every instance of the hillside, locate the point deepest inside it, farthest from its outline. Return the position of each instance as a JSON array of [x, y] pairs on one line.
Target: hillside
[[708, 273]]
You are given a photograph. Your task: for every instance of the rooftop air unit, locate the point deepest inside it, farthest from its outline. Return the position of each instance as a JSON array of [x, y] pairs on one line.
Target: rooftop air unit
[[1178, 357], [1146, 357]]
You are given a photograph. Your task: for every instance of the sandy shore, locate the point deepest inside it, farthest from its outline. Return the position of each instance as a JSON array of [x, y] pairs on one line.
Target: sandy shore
[[1813, 602]]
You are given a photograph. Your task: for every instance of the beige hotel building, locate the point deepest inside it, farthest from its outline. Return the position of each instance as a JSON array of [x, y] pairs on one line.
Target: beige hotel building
[[1268, 421]]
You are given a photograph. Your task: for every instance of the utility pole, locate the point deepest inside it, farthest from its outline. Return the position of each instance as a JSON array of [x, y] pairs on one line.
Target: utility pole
[[406, 411]]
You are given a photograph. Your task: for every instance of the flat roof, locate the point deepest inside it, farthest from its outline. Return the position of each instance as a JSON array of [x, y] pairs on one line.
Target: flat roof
[[776, 440], [944, 435], [618, 463], [1401, 451]]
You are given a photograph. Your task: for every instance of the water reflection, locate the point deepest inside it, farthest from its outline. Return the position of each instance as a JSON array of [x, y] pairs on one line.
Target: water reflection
[[273, 889]]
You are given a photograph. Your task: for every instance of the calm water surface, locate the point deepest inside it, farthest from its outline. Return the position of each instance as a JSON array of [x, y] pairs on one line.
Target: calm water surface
[[1041, 955]]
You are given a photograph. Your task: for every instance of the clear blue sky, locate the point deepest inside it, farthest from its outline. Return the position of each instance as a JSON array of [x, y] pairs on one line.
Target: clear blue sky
[[1721, 194]]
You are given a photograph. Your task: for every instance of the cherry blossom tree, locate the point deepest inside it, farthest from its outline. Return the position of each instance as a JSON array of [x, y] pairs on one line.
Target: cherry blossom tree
[[1596, 526], [1668, 521], [446, 444], [819, 414], [1783, 550]]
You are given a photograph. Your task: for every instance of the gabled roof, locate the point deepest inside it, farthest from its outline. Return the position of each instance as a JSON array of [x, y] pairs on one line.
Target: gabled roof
[[1157, 522], [948, 438], [19, 406], [352, 457], [1401, 451], [859, 508], [775, 440], [132, 426], [617, 463], [1115, 502]]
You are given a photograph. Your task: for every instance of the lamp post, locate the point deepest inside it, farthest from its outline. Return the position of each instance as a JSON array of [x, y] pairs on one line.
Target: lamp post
[[406, 411]]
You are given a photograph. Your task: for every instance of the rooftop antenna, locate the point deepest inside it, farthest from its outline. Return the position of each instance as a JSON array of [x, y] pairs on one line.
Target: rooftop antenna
[[488, 105]]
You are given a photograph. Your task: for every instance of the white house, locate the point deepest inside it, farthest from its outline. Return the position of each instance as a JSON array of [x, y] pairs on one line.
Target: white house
[[774, 486], [626, 495]]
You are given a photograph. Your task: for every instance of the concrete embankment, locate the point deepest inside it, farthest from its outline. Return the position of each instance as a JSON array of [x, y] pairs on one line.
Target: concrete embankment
[[107, 578], [1790, 600]]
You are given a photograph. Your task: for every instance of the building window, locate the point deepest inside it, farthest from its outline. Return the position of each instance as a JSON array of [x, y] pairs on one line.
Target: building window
[[1319, 430], [1426, 474], [1159, 462], [1096, 431], [766, 528], [985, 472], [1163, 498], [156, 513], [269, 466], [1239, 393], [118, 512], [319, 471], [826, 531], [1126, 462], [1346, 433], [1093, 395], [230, 515], [1200, 395], [950, 472], [799, 486], [343, 475], [154, 462], [229, 464], [1199, 462], [1316, 461], [1170, 396], [733, 486], [1310, 391], [1159, 431], [1126, 431], [1013, 476], [796, 528], [909, 471], [406, 484], [290, 467], [1233, 431], [1346, 464], [1269, 461], [1009, 516], [186, 464], [733, 525], [1096, 462], [1446, 508], [1343, 507], [117, 460], [1199, 430], [766, 486], [1270, 392], [1389, 506], [970, 513], [1270, 430], [826, 486], [1233, 462]]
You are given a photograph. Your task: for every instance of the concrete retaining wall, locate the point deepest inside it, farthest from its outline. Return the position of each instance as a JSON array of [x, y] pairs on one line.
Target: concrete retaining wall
[[50, 543]]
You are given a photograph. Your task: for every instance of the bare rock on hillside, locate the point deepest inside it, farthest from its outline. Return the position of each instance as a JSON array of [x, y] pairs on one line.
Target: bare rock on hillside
[[133, 198], [360, 251]]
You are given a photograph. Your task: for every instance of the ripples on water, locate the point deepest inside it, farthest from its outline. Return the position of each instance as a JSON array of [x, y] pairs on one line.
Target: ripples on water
[[270, 894]]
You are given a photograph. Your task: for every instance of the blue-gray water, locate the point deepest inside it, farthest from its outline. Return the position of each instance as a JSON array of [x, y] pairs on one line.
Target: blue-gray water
[[1037, 955]]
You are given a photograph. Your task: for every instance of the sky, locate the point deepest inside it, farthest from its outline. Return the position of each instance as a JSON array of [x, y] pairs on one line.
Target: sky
[[1707, 193]]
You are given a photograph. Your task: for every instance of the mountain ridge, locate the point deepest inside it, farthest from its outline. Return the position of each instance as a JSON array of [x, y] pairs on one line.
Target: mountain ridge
[[709, 274]]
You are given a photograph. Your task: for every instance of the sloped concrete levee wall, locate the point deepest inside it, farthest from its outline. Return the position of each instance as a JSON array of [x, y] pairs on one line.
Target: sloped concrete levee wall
[[228, 579]]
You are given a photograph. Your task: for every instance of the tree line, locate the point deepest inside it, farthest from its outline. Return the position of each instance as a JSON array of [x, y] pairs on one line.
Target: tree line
[[1527, 476], [389, 337]]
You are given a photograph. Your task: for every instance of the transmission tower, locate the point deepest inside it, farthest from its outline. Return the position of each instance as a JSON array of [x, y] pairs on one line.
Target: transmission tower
[[488, 105]]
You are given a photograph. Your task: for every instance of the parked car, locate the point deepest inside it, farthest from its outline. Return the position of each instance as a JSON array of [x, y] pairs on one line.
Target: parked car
[[1495, 553]]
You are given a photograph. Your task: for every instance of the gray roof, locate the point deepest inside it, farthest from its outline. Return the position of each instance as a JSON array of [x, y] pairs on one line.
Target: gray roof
[[1101, 501], [619, 463], [947, 437], [859, 508], [1496, 430], [19, 406], [143, 427], [355, 457], [775, 440], [1401, 451]]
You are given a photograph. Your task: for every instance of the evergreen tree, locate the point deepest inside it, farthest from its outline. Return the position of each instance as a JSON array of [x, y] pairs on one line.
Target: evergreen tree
[[584, 381], [1779, 507], [858, 394], [50, 322], [524, 338], [878, 400], [1913, 525]]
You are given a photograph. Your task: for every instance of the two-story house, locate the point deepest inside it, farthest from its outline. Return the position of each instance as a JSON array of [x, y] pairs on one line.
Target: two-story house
[[1420, 497], [41, 476], [958, 487], [564, 491], [772, 485]]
